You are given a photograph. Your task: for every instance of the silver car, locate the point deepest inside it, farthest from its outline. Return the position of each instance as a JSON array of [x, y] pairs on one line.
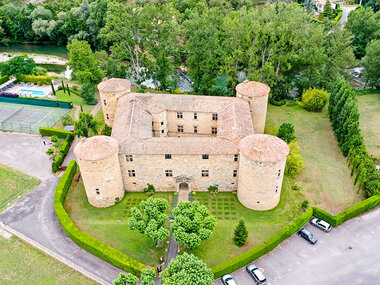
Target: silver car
[[321, 224], [228, 280], [256, 274]]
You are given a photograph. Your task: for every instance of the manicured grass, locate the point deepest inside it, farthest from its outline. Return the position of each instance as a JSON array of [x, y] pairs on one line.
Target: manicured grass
[[21, 263], [369, 107], [261, 224], [75, 99], [12, 183], [110, 225], [325, 180]]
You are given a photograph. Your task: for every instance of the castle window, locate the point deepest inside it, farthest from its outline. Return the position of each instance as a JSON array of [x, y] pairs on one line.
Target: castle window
[[204, 156], [276, 189], [129, 157], [131, 173], [215, 117], [179, 115], [108, 117], [195, 116], [169, 173], [168, 156], [105, 102], [234, 173], [180, 129], [162, 123], [97, 191], [236, 157], [195, 129], [214, 131], [204, 173], [279, 172], [162, 131]]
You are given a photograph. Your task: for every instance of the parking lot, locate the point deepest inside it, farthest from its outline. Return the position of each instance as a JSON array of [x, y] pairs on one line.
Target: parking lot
[[349, 254]]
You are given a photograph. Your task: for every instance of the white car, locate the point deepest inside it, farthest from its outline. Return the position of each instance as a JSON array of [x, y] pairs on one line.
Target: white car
[[321, 224], [256, 274], [228, 280]]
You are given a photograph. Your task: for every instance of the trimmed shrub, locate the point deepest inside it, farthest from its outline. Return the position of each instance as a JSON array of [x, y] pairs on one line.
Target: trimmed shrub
[[82, 239], [314, 99], [277, 103], [4, 79], [36, 79], [286, 132], [48, 132]]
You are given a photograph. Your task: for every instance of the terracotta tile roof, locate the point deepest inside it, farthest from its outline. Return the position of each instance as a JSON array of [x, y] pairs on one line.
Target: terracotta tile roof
[[252, 89], [114, 85], [96, 148], [264, 148]]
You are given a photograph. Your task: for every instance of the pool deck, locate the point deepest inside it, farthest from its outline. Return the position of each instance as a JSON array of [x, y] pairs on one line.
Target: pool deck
[[17, 89]]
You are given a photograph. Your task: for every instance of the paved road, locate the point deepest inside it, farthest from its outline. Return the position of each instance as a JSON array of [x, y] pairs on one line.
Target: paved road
[[345, 11], [34, 214], [349, 254]]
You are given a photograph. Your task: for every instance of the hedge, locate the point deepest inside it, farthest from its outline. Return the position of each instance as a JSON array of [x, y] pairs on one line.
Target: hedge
[[355, 210], [49, 132], [4, 79], [38, 102], [263, 248], [84, 240], [36, 79]]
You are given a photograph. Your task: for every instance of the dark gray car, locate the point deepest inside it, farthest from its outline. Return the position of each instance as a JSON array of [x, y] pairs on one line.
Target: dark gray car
[[307, 236]]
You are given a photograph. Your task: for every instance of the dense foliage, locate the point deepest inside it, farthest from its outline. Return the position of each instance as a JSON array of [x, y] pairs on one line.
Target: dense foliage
[[314, 99], [18, 65], [192, 224], [88, 93], [371, 64], [187, 269], [148, 277], [294, 161], [240, 234], [286, 132], [344, 116], [85, 123], [126, 279], [151, 219]]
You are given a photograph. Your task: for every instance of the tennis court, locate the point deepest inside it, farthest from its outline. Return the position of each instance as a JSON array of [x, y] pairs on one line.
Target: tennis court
[[28, 118]]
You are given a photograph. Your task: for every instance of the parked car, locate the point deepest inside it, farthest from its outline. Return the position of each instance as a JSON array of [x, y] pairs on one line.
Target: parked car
[[227, 279], [321, 224], [308, 236], [256, 274]]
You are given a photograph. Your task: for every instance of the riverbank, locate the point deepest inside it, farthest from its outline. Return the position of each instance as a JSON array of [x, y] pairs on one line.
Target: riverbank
[[38, 58]]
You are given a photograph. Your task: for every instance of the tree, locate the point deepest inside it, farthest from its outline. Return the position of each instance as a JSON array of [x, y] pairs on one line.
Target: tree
[[84, 125], [88, 93], [314, 99], [309, 5], [83, 63], [192, 224], [328, 12], [294, 162], [148, 277], [187, 269], [17, 65], [364, 24], [286, 132], [106, 131], [126, 279], [371, 64], [151, 220], [67, 120], [240, 233]]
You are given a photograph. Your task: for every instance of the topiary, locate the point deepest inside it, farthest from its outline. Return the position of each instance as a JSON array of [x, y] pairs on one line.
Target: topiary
[[240, 233], [314, 99]]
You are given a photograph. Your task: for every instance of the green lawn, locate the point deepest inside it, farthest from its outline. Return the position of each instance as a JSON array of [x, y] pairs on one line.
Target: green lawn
[[369, 107], [23, 264], [12, 183], [325, 180], [261, 225], [110, 225]]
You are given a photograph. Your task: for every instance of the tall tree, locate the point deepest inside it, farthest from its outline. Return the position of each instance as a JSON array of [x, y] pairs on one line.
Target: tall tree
[[83, 63], [18, 65], [328, 12], [371, 64], [187, 269], [126, 279], [84, 125], [240, 233]]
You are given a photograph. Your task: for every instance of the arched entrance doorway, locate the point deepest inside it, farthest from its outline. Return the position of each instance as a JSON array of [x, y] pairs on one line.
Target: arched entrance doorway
[[183, 186]]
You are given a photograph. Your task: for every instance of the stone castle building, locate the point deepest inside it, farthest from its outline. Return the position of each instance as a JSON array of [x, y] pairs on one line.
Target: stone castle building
[[183, 142]]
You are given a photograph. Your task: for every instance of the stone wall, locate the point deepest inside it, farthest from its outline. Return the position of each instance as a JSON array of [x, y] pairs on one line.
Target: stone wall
[[151, 169], [160, 124], [260, 183], [203, 122], [109, 103], [104, 175], [258, 107]]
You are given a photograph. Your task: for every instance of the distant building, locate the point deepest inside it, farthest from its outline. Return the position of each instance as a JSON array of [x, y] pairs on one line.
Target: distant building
[[184, 142]]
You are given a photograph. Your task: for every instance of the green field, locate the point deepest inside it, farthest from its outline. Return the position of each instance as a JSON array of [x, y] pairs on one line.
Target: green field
[[23, 264], [325, 180], [369, 107], [12, 184], [110, 225]]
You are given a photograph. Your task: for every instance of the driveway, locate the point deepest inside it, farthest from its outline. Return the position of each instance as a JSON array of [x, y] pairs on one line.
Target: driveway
[[349, 254], [346, 10], [34, 214]]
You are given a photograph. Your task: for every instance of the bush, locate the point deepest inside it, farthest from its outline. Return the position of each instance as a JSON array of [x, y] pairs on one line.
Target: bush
[[48, 132], [149, 189], [286, 132], [296, 186], [67, 120], [277, 103], [4, 79], [82, 239], [305, 204], [54, 139], [36, 79], [240, 234], [314, 99], [294, 161], [148, 277], [106, 131]]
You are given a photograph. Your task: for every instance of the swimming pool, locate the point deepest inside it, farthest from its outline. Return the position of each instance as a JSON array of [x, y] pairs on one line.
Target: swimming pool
[[34, 92]]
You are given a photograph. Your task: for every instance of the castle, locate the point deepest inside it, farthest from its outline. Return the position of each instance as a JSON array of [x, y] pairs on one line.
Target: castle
[[183, 142]]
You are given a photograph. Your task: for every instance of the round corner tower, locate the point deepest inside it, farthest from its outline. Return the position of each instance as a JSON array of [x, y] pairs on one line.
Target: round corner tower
[[98, 161], [256, 93], [110, 90], [261, 171]]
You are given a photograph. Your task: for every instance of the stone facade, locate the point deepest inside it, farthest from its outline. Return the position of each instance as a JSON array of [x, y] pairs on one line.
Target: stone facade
[[186, 142]]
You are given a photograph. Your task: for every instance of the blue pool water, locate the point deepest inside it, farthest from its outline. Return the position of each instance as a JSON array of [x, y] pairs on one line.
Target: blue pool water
[[34, 92]]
